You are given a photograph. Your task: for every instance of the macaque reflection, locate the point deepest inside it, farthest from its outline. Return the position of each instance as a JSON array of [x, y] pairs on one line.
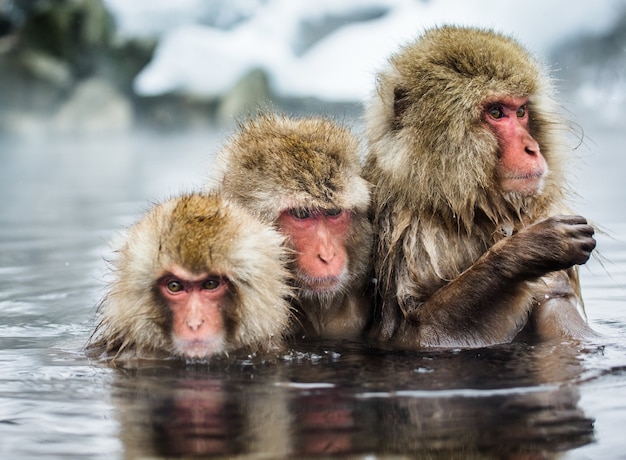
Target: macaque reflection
[[325, 424], [197, 420], [512, 401], [200, 411]]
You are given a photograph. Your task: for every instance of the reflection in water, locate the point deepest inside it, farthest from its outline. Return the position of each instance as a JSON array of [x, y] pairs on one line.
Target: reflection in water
[[318, 404], [62, 202], [167, 411], [197, 418]]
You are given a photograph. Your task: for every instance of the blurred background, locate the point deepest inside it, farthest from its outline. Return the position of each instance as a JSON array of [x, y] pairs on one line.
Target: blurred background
[[109, 105], [84, 67]]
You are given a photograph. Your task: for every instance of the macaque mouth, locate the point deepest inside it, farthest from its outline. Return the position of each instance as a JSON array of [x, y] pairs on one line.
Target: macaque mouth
[[516, 177], [199, 348], [524, 184], [325, 284], [534, 175]]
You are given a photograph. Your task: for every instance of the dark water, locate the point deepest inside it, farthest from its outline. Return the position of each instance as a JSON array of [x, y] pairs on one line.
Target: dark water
[[63, 202]]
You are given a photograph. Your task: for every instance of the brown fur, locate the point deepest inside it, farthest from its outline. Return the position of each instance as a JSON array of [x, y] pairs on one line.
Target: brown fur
[[432, 161], [274, 163], [201, 233]]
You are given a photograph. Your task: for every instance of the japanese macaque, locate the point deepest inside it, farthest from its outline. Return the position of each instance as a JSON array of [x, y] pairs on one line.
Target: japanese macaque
[[303, 175], [196, 277], [465, 157]]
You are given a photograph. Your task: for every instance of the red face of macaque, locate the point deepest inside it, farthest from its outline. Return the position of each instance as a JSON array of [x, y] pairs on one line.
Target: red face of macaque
[[522, 167], [318, 237], [196, 302]]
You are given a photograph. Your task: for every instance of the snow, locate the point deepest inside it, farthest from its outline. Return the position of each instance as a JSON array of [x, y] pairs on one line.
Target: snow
[[339, 65]]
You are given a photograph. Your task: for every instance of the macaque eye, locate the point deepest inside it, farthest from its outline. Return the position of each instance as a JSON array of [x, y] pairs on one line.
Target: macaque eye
[[521, 112], [301, 213], [333, 212], [496, 112], [211, 284], [174, 286]]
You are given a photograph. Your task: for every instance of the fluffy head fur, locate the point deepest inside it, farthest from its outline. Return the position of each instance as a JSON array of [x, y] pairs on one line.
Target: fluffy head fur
[[275, 163], [200, 233]]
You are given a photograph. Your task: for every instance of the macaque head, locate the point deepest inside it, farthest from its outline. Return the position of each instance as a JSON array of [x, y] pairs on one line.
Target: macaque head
[[303, 175], [469, 117], [196, 277]]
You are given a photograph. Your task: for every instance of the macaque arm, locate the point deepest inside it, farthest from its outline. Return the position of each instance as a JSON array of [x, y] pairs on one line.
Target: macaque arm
[[487, 303], [557, 311]]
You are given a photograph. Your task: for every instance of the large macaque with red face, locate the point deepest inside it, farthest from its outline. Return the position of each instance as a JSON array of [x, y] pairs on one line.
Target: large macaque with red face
[[303, 175], [196, 277], [473, 241]]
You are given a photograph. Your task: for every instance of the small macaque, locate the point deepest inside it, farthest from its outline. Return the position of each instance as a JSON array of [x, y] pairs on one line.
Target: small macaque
[[303, 176], [474, 244], [196, 277]]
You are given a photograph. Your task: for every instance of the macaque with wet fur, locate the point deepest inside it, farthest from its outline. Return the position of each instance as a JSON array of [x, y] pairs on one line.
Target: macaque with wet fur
[[303, 175], [196, 277], [474, 243]]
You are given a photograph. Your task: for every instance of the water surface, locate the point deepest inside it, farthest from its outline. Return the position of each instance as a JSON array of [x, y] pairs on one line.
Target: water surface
[[63, 201]]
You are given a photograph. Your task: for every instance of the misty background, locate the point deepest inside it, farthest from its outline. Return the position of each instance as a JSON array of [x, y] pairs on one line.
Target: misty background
[[101, 67]]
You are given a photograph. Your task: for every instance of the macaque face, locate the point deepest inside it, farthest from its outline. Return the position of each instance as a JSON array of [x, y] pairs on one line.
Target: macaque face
[[196, 302], [319, 238], [521, 166]]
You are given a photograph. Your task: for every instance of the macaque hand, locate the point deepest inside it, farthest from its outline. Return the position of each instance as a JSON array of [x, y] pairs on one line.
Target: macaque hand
[[552, 244]]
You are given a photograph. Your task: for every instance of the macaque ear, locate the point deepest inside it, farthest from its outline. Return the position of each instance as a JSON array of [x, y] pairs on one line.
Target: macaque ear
[[400, 104]]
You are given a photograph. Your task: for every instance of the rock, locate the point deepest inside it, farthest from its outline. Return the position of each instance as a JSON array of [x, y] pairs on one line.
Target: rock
[[250, 93], [47, 68], [95, 107]]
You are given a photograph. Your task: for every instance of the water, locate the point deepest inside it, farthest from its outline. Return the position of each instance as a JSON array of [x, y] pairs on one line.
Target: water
[[64, 201]]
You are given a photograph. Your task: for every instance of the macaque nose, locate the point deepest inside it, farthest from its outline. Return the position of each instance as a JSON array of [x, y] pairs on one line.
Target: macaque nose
[[326, 249], [194, 323], [531, 146], [194, 319], [327, 253]]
